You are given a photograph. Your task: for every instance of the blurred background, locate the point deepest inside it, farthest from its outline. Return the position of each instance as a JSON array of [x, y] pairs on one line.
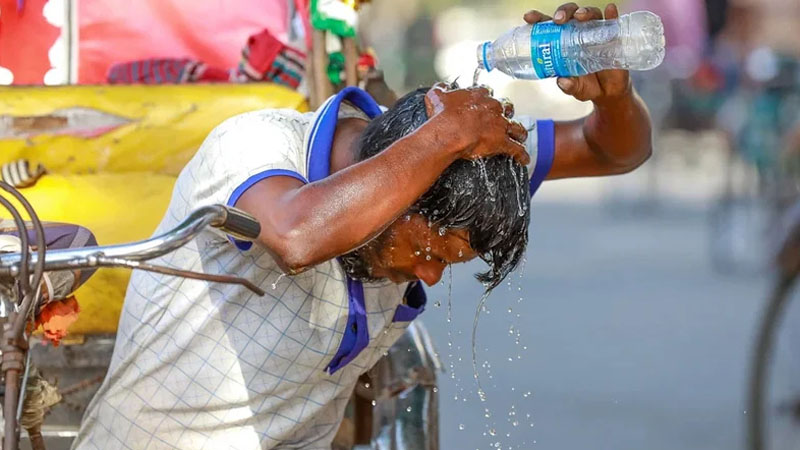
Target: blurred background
[[632, 323]]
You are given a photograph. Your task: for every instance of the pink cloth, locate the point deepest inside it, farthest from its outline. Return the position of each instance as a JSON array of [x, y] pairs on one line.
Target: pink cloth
[[209, 31]]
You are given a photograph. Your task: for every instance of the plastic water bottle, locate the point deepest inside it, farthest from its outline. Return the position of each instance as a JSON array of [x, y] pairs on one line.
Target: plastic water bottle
[[532, 52]]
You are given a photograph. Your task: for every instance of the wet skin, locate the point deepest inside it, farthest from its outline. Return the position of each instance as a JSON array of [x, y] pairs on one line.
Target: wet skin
[[304, 225]]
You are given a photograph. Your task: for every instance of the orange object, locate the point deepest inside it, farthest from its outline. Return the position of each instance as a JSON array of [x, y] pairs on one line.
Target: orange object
[[56, 317]]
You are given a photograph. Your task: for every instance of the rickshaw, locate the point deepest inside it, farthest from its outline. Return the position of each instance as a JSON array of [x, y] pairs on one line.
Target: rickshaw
[[109, 155]]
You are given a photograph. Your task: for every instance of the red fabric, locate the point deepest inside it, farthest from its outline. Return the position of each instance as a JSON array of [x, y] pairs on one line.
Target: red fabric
[[25, 38], [113, 31], [263, 47]]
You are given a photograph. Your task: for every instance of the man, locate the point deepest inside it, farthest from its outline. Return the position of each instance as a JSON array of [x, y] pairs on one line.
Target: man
[[355, 207]]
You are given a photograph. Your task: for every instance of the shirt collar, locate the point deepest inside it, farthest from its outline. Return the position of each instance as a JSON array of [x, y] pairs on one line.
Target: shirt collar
[[319, 141]]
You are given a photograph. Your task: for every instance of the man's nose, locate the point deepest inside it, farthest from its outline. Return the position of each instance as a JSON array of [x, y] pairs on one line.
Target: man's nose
[[430, 272]]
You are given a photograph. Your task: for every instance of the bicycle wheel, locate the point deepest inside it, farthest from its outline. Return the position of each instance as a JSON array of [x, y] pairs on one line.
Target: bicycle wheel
[[774, 391]]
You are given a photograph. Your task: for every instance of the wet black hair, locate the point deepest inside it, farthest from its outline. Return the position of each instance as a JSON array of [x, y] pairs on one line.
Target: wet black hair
[[488, 197]]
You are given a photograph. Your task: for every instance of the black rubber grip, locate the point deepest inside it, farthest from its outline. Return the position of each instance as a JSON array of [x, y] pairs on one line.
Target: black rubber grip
[[240, 224]]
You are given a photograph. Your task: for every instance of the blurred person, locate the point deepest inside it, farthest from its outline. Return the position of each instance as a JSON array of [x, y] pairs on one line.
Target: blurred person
[[357, 206]]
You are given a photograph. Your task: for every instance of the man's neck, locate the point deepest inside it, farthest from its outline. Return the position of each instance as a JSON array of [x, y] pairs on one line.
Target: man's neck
[[344, 150]]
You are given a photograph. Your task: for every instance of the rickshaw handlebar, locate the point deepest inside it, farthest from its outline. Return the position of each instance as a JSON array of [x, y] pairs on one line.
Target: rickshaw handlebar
[[233, 221]]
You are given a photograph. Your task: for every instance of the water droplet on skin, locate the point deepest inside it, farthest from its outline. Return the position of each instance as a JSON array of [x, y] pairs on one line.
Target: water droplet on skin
[[427, 257], [427, 249], [366, 385], [442, 231], [408, 409], [417, 253]]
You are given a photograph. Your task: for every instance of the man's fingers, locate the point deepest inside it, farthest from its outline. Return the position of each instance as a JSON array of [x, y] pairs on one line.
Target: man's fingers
[[517, 132], [568, 85], [433, 100], [564, 13], [517, 151], [508, 108], [534, 16], [611, 11], [588, 13]]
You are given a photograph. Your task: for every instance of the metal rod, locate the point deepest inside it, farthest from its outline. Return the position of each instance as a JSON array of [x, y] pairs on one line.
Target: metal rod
[[227, 279], [68, 259], [11, 438], [40, 242], [24, 255], [24, 385]]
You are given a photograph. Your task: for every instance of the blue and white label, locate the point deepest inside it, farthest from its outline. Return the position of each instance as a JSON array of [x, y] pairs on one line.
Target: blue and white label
[[546, 52]]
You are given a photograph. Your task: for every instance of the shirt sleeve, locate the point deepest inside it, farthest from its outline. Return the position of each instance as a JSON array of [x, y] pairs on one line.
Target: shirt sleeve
[[541, 147], [239, 153]]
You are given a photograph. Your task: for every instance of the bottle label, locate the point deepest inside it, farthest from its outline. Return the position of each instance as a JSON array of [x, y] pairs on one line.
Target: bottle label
[[548, 60]]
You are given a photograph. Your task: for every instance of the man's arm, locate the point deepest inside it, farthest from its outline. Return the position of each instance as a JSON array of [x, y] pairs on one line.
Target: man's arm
[[303, 225], [616, 137]]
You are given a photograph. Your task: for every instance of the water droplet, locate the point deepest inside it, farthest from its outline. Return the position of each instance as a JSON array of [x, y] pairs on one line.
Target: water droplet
[[435, 389], [374, 403], [527, 394], [460, 253], [408, 409], [427, 257], [515, 423], [492, 431], [461, 426], [366, 385], [417, 253], [427, 249], [437, 304], [509, 310]]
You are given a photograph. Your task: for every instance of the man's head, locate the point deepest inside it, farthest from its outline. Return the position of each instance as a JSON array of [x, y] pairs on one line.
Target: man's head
[[475, 208]]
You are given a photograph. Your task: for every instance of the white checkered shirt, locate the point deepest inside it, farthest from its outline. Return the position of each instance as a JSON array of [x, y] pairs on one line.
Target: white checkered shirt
[[199, 365]]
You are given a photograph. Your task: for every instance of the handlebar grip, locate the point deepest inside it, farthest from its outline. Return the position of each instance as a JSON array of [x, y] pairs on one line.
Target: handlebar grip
[[239, 224]]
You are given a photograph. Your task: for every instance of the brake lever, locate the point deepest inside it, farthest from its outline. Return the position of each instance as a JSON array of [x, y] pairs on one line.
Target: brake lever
[[227, 279]]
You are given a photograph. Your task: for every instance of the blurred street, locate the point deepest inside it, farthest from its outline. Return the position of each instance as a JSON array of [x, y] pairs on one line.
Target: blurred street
[[633, 341]]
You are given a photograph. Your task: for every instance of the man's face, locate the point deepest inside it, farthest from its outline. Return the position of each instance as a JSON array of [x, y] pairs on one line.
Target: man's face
[[411, 250]]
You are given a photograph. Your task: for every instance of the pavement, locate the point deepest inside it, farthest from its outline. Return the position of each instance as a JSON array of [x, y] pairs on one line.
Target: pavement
[[628, 337]]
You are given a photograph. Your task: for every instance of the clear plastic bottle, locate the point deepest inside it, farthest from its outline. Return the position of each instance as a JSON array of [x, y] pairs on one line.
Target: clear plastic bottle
[[633, 41]]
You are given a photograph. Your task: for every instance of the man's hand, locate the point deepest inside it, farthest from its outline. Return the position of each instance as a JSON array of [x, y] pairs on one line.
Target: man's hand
[[597, 87], [481, 123]]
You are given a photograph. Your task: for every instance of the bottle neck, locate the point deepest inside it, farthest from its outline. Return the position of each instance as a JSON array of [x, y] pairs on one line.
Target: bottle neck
[[485, 56]]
